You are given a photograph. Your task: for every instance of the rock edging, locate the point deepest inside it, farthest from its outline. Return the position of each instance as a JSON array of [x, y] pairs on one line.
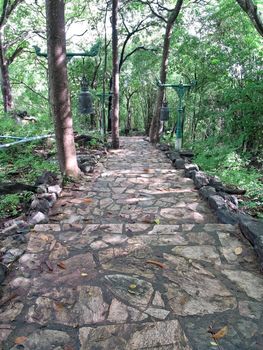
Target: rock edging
[[223, 203]]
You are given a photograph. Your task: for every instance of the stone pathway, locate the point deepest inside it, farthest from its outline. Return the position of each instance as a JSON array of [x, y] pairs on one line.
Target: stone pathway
[[134, 259]]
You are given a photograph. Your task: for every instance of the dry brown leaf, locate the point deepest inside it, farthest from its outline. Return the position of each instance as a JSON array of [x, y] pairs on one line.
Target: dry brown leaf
[[146, 170], [44, 237], [238, 250], [221, 333], [88, 200], [20, 340], [61, 265], [154, 262], [58, 306]]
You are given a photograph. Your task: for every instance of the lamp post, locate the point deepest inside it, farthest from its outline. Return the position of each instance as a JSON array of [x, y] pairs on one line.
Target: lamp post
[[181, 89], [85, 99]]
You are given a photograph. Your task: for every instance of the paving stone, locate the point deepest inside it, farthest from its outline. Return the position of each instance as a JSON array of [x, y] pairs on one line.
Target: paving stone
[[5, 330], [247, 328], [120, 286], [202, 252], [159, 335], [160, 314], [39, 242], [45, 339], [10, 311], [71, 307], [250, 309], [47, 227], [67, 275], [119, 312], [246, 281], [157, 300]]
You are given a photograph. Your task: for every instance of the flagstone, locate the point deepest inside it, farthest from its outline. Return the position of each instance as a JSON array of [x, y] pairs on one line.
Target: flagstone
[[159, 335], [251, 284], [71, 307]]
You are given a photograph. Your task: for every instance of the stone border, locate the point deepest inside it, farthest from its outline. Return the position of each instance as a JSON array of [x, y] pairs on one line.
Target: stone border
[[224, 205]]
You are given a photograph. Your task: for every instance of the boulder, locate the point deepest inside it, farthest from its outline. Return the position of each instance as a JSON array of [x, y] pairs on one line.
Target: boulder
[[215, 182], [54, 189], [207, 191], [37, 218], [40, 204], [200, 179], [216, 202], [226, 216], [179, 163], [252, 229]]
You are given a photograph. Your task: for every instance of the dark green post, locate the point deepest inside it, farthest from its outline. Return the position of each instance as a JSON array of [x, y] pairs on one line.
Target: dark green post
[[181, 90]]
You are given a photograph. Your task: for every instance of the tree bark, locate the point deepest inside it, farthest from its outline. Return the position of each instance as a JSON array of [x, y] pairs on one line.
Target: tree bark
[[5, 80], [115, 78], [7, 9], [155, 124], [254, 15], [58, 82]]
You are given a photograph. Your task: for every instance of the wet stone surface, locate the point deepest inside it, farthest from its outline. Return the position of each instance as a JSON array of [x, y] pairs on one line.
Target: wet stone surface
[[133, 258]]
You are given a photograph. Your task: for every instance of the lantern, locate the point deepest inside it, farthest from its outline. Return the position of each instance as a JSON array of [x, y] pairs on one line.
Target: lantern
[[164, 112], [85, 99]]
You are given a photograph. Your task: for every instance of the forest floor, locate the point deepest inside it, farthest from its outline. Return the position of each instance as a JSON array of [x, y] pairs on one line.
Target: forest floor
[[133, 259]]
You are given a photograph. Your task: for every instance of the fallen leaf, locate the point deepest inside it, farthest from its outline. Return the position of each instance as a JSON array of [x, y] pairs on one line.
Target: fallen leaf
[[157, 221], [88, 200], [44, 237], [221, 333], [238, 251], [132, 286], [61, 265], [146, 170], [20, 340], [154, 262], [84, 274], [58, 306]]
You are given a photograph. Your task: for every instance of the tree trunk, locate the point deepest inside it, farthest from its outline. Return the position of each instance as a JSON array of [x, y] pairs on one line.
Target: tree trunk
[[115, 78], [155, 124], [5, 81], [58, 82], [110, 106], [253, 13]]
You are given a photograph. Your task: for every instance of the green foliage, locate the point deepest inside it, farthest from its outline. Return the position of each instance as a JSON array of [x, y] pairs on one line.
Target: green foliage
[[224, 159], [23, 162]]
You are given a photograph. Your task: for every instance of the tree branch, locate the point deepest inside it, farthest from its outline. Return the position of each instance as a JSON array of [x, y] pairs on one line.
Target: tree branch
[[254, 15], [135, 50]]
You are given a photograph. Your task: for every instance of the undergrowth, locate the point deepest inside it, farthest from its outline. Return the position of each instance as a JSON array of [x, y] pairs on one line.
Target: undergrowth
[[23, 162], [233, 167]]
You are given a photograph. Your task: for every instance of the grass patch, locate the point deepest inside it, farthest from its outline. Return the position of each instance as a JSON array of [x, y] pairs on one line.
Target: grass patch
[[233, 168]]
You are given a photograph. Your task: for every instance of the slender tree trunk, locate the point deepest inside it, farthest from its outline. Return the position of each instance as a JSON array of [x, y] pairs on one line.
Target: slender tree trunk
[[115, 78], [5, 81], [155, 124], [110, 106], [58, 82]]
